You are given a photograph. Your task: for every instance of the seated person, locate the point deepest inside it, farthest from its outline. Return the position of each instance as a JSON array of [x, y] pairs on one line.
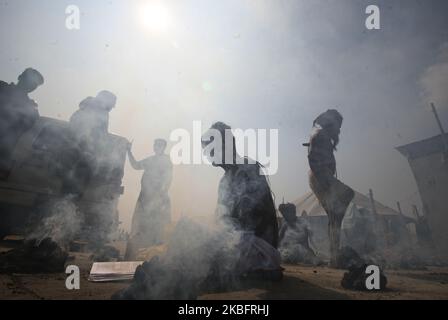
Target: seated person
[[240, 244], [295, 238]]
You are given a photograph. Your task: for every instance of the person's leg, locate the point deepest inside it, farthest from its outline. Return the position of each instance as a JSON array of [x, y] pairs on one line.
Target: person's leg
[[335, 209], [162, 219], [137, 224], [334, 234], [341, 197]]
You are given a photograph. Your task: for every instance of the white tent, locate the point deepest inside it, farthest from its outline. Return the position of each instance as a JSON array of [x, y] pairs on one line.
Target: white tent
[[310, 205], [384, 223]]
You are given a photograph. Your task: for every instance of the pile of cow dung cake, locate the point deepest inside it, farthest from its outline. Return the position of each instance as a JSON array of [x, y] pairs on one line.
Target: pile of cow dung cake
[[154, 280], [34, 256], [356, 277]]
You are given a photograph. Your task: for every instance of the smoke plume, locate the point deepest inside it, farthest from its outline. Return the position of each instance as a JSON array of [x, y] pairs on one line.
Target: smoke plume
[[434, 80], [61, 223]]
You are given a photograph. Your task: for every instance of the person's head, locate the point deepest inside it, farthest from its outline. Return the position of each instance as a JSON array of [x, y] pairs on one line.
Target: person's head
[[86, 103], [106, 99], [288, 211], [331, 121], [218, 155], [159, 146], [30, 79]]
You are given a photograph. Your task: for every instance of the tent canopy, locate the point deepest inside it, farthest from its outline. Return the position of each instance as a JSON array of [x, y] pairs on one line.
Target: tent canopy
[[312, 207]]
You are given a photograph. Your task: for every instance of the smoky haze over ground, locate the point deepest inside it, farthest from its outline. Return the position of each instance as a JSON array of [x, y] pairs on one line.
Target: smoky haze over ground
[[251, 64]]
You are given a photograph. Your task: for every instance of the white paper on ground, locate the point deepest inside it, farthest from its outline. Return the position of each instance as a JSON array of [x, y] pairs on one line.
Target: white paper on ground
[[113, 271]]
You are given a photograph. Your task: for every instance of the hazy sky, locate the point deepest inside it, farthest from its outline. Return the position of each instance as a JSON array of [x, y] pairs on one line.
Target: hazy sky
[[250, 63]]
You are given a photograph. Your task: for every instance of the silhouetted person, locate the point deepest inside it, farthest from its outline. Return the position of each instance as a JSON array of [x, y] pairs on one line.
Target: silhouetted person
[[18, 112], [90, 125], [295, 237], [91, 121], [244, 196], [153, 210], [333, 195]]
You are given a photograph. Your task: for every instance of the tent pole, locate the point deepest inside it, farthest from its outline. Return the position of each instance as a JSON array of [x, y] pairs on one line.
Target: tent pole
[[372, 202], [399, 208], [380, 226], [439, 123]]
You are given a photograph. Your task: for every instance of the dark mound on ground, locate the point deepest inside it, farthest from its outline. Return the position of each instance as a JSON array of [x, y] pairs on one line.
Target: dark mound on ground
[[34, 256], [356, 278]]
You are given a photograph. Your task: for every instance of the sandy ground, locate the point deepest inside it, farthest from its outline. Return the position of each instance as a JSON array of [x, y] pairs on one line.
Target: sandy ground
[[315, 283], [300, 282]]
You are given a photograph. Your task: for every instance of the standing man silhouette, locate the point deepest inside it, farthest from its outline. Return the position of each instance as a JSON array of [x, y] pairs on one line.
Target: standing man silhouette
[[153, 209]]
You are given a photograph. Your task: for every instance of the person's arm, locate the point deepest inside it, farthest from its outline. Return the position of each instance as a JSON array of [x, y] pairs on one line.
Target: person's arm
[[320, 158], [137, 165]]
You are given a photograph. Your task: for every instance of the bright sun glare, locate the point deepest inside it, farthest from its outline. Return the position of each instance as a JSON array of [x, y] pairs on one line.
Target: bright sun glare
[[155, 17]]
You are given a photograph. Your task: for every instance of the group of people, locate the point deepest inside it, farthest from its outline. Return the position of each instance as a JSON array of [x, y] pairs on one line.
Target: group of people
[[246, 205], [245, 199]]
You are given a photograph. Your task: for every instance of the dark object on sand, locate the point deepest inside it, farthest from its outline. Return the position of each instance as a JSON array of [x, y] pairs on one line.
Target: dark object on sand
[[33, 256], [201, 259], [355, 279], [106, 254], [155, 281]]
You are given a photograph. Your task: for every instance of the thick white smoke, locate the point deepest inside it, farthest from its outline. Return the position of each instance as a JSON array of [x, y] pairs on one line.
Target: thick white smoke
[[61, 223], [434, 81]]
